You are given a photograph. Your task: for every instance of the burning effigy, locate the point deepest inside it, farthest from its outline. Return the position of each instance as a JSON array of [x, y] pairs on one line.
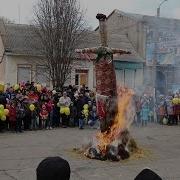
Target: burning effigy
[[116, 142], [112, 104]]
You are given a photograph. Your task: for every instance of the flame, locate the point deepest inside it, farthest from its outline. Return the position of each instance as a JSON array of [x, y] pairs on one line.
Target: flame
[[120, 122]]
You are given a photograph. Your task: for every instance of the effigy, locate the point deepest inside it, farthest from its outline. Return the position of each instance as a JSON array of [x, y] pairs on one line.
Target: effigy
[[106, 89]]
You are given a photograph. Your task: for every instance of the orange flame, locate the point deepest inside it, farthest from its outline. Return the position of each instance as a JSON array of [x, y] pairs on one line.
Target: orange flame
[[120, 122]]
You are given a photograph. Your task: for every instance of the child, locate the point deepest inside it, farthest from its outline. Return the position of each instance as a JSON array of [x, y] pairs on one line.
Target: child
[[49, 107], [93, 118], [144, 113], [44, 116], [20, 114], [33, 120], [12, 116]]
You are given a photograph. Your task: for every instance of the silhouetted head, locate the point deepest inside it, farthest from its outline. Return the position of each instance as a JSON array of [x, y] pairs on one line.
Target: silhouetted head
[[147, 174], [53, 168]]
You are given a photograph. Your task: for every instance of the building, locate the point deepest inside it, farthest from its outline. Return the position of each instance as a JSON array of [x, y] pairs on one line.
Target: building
[[161, 48], [23, 61]]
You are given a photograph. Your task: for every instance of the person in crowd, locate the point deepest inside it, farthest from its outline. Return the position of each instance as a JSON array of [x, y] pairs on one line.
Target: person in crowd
[[76, 109], [49, 106], [34, 119], [44, 116], [93, 118], [169, 108], [144, 114], [12, 116], [53, 168], [161, 109], [176, 108], [65, 102], [20, 115]]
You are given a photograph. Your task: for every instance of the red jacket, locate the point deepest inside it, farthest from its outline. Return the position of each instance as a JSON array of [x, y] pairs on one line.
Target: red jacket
[[12, 113]]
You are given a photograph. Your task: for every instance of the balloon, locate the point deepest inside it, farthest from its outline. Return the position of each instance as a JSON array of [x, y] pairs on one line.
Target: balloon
[[1, 87], [85, 106], [67, 111], [16, 87], [178, 100], [62, 110], [6, 112], [1, 107], [165, 121], [86, 111], [32, 107], [175, 101], [3, 118], [1, 113]]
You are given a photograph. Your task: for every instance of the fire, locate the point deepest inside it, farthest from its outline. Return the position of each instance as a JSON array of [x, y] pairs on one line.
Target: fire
[[120, 122]]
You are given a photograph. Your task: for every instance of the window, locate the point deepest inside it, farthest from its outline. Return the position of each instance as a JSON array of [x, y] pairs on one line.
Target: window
[[42, 75], [81, 77], [23, 73]]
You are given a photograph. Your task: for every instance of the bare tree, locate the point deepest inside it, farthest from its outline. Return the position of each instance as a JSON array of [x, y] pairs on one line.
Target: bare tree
[[61, 26]]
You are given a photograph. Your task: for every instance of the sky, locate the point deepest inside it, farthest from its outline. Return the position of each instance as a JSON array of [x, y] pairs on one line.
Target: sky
[[171, 8]]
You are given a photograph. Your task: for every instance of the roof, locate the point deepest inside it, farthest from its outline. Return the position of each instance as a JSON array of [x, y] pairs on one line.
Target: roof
[[21, 39], [114, 41]]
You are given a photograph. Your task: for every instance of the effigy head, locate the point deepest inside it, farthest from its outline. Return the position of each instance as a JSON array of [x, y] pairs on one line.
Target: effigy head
[[101, 17]]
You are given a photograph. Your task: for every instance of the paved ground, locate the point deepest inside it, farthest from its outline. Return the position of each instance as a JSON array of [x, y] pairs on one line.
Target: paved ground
[[21, 153]]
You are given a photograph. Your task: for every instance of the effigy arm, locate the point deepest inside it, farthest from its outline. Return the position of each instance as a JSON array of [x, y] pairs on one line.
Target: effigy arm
[[87, 50], [120, 51]]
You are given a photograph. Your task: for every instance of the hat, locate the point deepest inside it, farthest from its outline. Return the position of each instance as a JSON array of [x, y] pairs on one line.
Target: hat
[[147, 174], [53, 168]]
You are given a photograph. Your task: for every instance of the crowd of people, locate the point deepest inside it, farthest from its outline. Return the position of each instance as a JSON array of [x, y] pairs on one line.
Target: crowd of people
[[164, 110], [31, 107]]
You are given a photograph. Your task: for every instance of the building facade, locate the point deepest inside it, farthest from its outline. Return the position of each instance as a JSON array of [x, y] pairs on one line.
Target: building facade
[[22, 60]]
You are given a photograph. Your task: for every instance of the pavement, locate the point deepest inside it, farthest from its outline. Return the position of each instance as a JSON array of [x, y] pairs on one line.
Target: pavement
[[20, 154]]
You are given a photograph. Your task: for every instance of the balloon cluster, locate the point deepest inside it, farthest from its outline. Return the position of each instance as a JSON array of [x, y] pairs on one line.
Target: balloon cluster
[[176, 101], [1, 87], [85, 110], [3, 113], [65, 110]]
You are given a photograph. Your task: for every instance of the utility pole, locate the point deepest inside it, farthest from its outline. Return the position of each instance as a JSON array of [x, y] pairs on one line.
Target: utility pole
[[155, 59]]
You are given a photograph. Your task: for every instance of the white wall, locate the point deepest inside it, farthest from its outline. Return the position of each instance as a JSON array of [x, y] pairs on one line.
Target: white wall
[[12, 63], [85, 65]]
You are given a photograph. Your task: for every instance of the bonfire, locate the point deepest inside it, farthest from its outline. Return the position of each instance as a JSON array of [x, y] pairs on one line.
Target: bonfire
[[116, 143]]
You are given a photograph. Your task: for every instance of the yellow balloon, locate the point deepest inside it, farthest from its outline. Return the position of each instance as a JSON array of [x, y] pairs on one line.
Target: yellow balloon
[[1, 107], [67, 111], [1, 113], [6, 112], [175, 101], [86, 111], [178, 100], [62, 110], [32, 107], [3, 118], [86, 106], [1, 87], [16, 87]]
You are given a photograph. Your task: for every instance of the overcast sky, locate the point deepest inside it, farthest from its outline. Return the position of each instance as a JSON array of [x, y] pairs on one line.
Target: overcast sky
[[9, 8]]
